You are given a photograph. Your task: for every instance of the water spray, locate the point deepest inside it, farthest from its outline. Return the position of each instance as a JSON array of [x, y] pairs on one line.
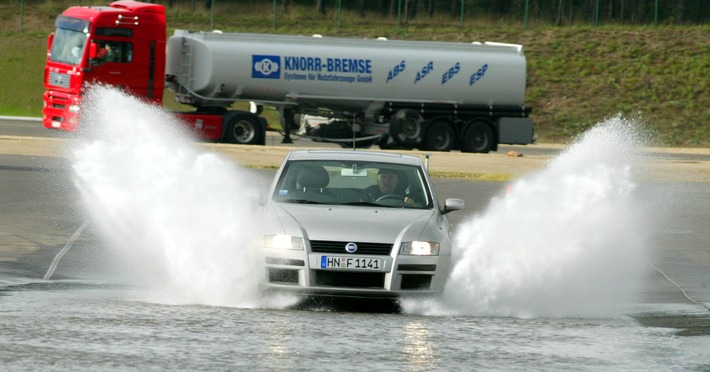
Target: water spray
[[181, 219], [566, 241], [569, 240]]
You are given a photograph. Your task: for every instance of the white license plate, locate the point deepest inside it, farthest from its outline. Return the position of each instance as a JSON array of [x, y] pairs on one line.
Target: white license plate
[[352, 263]]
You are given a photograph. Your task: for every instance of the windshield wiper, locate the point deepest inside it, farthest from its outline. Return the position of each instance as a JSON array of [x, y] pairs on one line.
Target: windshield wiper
[[371, 204], [302, 201]]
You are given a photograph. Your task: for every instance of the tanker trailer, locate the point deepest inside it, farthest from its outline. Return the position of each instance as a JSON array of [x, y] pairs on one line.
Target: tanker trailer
[[407, 94]]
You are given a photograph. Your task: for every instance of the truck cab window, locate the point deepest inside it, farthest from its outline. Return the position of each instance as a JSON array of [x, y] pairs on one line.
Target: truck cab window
[[112, 51]]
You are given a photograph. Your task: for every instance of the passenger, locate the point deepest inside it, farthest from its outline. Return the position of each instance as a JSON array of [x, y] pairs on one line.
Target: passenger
[[390, 184], [105, 53]]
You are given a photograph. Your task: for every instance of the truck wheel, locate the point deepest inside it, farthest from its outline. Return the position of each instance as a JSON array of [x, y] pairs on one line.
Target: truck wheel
[[477, 137], [406, 128], [243, 130], [439, 136]]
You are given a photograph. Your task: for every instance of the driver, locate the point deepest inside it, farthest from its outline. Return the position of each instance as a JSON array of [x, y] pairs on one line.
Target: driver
[[389, 183]]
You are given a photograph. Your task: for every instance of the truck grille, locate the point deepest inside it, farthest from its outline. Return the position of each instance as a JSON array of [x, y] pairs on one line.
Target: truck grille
[[377, 249], [59, 80]]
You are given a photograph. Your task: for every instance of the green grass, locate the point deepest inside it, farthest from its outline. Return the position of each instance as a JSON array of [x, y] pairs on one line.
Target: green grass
[[577, 75], [21, 72]]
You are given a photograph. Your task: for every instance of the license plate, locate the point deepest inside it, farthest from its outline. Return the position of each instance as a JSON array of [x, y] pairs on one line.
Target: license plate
[[352, 263]]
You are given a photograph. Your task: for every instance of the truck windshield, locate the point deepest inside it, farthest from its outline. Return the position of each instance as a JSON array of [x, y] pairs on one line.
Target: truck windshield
[[69, 40]]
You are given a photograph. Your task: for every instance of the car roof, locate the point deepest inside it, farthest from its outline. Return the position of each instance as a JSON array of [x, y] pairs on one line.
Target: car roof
[[355, 155]]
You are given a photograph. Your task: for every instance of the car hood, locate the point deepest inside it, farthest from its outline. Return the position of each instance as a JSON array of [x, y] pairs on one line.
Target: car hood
[[351, 223]]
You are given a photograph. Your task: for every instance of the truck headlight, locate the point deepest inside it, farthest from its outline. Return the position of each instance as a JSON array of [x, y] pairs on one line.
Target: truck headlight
[[419, 248], [74, 108], [281, 241]]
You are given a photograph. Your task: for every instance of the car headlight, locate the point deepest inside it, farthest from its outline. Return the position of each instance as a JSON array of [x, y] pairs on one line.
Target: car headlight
[[418, 248], [74, 108], [281, 241]]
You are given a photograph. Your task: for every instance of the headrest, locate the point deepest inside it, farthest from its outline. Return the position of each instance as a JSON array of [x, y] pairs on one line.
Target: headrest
[[313, 176]]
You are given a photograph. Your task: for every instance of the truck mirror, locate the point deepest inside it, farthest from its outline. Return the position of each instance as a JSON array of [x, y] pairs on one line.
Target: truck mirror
[[50, 39], [92, 50]]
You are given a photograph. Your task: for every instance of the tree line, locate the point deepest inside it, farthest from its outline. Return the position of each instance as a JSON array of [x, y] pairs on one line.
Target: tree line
[[558, 12]]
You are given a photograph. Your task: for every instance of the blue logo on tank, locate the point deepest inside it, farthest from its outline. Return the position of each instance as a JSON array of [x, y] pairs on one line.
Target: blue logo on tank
[[265, 67]]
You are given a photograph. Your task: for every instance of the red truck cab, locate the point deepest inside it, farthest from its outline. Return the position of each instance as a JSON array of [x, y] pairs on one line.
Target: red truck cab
[[121, 45]]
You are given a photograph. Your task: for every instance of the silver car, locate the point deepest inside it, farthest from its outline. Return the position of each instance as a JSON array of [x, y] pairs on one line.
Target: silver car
[[356, 224]]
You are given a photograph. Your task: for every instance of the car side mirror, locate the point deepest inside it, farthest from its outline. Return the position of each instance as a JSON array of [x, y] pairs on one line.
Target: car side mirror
[[453, 204]]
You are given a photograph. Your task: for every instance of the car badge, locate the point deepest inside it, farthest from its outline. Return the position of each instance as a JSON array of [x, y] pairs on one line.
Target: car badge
[[351, 247]]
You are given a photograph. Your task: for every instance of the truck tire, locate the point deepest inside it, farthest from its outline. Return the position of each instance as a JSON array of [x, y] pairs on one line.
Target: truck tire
[[440, 136], [406, 128], [243, 130], [478, 137]]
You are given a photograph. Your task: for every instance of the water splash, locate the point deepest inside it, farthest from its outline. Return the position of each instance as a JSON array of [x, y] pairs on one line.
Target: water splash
[[183, 218], [569, 240]]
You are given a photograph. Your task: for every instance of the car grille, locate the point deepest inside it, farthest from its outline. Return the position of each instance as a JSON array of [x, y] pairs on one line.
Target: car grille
[[349, 279], [376, 249]]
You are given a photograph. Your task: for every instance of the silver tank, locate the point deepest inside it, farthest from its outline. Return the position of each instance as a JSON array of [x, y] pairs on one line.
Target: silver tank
[[341, 73]]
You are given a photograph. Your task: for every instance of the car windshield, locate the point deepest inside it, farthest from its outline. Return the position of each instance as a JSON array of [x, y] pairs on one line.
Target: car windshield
[[353, 183]]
